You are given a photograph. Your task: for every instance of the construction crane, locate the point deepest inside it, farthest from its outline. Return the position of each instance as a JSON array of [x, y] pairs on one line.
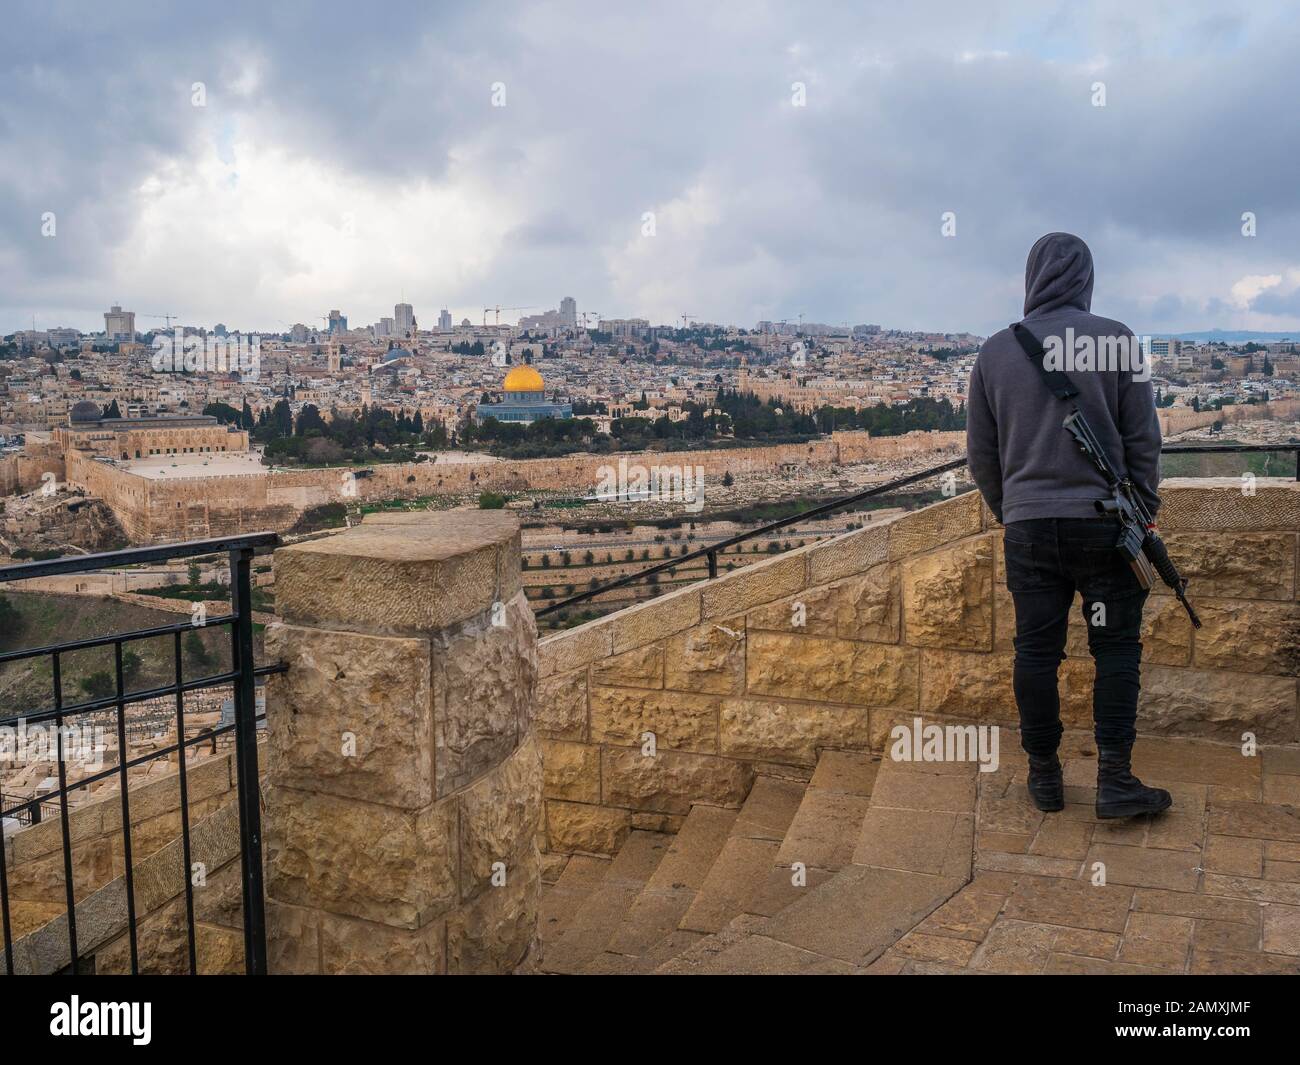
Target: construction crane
[[688, 314], [165, 317], [498, 310]]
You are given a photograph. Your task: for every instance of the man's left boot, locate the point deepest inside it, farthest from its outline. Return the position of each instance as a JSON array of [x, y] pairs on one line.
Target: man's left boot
[[1119, 792]]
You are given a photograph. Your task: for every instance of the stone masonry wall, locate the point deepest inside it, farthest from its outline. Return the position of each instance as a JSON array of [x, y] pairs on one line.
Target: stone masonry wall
[[404, 780], [826, 645]]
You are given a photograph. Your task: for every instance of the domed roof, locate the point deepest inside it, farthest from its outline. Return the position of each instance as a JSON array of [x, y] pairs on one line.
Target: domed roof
[[396, 353], [523, 379], [85, 411]]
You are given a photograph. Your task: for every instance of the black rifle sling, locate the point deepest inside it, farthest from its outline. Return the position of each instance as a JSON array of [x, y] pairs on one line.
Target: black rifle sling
[[1062, 387]]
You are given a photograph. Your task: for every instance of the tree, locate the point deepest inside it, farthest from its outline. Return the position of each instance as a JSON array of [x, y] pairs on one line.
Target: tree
[[112, 411], [99, 685], [196, 652], [195, 576]]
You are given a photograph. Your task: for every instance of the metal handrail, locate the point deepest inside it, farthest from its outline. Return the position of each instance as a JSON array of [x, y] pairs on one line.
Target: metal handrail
[[241, 676], [711, 552]]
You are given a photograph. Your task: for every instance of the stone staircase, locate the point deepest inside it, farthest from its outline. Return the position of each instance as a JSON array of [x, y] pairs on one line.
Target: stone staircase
[[820, 876]]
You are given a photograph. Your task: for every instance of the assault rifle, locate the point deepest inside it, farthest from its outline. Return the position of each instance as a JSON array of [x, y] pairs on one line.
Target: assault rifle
[[1139, 543]]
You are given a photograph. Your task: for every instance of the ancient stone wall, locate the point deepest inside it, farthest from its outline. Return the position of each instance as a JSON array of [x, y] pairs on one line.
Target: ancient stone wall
[[404, 779], [172, 509], [26, 471], [685, 698], [1180, 419]]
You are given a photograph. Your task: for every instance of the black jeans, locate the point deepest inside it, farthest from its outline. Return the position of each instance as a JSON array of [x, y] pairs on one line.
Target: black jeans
[[1048, 560]]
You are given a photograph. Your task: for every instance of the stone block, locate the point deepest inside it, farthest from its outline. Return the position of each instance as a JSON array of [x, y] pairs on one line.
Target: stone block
[[1237, 565], [678, 720], [398, 578], [579, 827], [935, 525], [1217, 705], [655, 619], [850, 554], [762, 582], [948, 597], [709, 658], [789, 731], [641, 667], [560, 708], [571, 771], [499, 819], [812, 668], [1218, 503], [352, 716], [575, 648], [362, 859], [484, 675], [1248, 636], [671, 781]]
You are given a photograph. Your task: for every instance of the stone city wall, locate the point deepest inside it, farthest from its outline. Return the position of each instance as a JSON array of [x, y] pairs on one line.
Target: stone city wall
[[171, 509], [24, 472], [1180, 419], [822, 647]]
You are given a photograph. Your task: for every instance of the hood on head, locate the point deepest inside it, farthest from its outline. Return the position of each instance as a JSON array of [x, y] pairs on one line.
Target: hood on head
[[1058, 273]]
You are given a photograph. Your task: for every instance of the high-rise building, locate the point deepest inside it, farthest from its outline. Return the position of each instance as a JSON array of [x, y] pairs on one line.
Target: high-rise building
[[444, 319], [403, 318], [338, 322], [119, 324], [569, 311]]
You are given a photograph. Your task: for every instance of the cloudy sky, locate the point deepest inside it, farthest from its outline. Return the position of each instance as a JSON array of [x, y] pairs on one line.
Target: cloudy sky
[[347, 154]]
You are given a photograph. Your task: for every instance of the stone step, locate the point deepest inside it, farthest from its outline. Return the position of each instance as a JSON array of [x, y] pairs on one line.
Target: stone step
[[649, 934], [912, 852], [743, 867], [561, 900], [603, 910]]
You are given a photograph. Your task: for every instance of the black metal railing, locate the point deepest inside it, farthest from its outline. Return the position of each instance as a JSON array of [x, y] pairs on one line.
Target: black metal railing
[[241, 676], [710, 552]]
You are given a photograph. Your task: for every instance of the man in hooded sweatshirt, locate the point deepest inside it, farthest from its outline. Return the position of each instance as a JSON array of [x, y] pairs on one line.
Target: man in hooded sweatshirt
[[1043, 490]]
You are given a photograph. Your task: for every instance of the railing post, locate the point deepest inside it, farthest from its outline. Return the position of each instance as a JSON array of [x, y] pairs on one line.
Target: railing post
[[713, 564], [250, 814]]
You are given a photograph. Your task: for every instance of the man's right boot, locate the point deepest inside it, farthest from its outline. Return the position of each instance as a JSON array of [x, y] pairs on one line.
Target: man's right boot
[[1119, 792], [1046, 786]]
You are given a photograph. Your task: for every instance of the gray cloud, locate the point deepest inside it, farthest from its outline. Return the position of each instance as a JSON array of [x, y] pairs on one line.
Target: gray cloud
[[762, 209]]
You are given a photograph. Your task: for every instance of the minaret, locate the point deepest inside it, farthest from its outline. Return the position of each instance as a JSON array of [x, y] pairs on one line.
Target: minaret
[[334, 357]]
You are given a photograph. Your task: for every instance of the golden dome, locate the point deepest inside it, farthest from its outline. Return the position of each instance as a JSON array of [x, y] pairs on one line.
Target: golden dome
[[523, 379]]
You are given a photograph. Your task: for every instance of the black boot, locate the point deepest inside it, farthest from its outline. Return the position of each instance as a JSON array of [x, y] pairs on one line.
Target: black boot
[[1046, 788], [1119, 792]]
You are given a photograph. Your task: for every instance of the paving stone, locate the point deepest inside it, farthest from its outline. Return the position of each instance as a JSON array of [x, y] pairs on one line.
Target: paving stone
[[948, 950], [580, 877], [761, 956], [769, 809], [1225, 935], [740, 873], [1284, 790], [1242, 887], [1146, 867], [850, 772], [604, 909], [1006, 842], [1234, 855], [1011, 815], [1194, 762], [861, 911], [1203, 907], [1282, 930], [1256, 820], [780, 891], [1032, 864], [1073, 903], [1062, 839], [825, 828], [1156, 940], [920, 841], [1015, 947], [1087, 943], [655, 913], [1242, 963], [1288, 872], [1073, 965], [1175, 831], [920, 790], [967, 915]]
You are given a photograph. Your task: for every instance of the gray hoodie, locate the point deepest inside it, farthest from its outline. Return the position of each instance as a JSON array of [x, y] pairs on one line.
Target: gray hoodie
[[1023, 462]]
